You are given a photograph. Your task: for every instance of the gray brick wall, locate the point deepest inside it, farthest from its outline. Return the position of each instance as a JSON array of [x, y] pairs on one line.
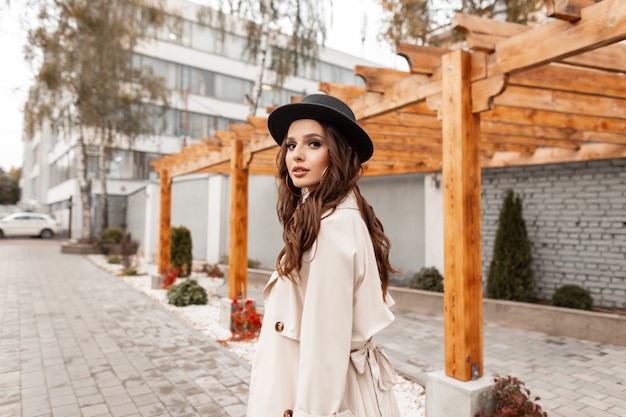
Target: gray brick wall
[[575, 215]]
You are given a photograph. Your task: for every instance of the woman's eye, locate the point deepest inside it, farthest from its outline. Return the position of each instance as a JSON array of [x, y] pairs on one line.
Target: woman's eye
[[314, 144], [291, 146]]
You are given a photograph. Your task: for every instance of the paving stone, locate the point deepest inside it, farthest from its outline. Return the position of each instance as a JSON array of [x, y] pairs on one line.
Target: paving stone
[[77, 341]]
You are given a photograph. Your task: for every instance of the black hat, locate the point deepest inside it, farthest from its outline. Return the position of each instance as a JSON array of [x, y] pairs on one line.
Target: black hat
[[326, 109]]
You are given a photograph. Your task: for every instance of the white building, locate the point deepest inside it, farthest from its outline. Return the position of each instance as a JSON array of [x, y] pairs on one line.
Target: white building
[[209, 79]]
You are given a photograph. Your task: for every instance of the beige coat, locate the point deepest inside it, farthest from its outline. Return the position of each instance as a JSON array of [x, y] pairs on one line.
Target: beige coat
[[315, 356]]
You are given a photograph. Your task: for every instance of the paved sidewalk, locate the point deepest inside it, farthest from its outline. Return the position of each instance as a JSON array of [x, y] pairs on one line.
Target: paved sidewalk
[[572, 377], [76, 341]]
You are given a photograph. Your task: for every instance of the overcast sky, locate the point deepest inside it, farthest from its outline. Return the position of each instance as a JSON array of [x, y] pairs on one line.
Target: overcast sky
[[344, 34]]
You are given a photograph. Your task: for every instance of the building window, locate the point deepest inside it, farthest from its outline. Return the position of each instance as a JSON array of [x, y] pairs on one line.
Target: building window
[[203, 38]]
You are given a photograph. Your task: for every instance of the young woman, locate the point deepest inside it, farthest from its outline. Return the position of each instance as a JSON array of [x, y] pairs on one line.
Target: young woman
[[328, 296]]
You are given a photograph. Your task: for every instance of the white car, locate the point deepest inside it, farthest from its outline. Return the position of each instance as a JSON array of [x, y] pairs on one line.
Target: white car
[[29, 224]]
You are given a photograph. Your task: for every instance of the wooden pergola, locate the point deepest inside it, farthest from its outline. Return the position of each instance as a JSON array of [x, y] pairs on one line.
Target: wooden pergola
[[514, 95]]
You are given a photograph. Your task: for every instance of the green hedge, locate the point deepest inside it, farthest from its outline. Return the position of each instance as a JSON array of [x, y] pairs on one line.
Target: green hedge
[[181, 250]]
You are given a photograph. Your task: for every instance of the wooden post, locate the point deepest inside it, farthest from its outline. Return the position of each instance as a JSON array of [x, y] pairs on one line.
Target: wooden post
[[463, 311], [165, 216], [238, 244]]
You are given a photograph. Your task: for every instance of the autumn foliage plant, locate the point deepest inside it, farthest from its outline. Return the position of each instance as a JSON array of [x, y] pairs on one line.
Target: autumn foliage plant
[[245, 321], [513, 399], [169, 277]]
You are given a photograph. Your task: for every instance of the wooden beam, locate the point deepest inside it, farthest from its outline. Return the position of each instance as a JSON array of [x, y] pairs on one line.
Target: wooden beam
[[406, 92], [608, 58], [601, 24], [502, 141], [543, 156], [566, 9], [483, 34], [524, 116], [197, 164], [238, 244], [341, 91], [528, 131], [463, 317], [600, 137], [562, 102], [421, 59], [375, 169], [376, 79], [402, 119], [376, 129], [572, 79], [165, 216]]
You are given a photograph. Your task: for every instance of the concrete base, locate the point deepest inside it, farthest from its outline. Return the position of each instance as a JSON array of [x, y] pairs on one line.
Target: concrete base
[[447, 396], [226, 311], [156, 282], [80, 248], [554, 321]]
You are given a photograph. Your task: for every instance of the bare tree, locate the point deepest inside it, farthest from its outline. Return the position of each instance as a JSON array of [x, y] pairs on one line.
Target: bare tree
[[87, 85], [282, 36], [421, 21]]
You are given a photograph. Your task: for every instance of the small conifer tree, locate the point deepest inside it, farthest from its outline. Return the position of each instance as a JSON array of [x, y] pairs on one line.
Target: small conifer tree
[[181, 250], [510, 274]]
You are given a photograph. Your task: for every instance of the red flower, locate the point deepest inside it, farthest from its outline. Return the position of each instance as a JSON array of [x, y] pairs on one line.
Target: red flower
[[245, 320]]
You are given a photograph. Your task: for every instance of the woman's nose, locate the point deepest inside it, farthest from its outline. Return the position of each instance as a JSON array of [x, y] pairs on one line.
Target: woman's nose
[[297, 154]]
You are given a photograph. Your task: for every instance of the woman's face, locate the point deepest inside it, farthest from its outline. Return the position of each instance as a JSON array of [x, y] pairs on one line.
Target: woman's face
[[307, 153]]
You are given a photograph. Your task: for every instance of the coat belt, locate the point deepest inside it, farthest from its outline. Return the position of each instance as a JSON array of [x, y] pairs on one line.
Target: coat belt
[[383, 373]]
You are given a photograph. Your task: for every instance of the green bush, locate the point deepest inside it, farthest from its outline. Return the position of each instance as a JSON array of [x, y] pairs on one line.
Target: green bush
[[130, 271], [572, 296], [112, 235], [186, 293], [510, 274], [428, 279], [114, 259], [254, 263], [180, 253]]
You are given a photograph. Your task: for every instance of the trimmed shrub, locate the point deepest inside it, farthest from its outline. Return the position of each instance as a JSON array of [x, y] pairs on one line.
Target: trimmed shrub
[[112, 235], [180, 253], [187, 293], [572, 296], [510, 274], [428, 279]]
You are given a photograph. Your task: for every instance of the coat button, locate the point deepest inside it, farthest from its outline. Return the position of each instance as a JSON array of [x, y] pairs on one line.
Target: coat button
[[279, 326], [288, 413]]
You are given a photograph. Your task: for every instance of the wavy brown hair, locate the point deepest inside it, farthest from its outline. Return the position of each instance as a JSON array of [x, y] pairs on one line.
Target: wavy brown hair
[[301, 220]]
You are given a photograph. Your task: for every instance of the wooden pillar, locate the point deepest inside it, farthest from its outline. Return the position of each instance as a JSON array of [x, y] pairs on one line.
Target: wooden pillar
[[165, 216], [463, 311], [238, 244]]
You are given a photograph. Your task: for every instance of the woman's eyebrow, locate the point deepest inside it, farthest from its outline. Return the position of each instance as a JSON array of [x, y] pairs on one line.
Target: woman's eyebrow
[[311, 135]]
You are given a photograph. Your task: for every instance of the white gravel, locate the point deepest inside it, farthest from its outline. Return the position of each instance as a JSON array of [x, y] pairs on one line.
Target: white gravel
[[206, 318]]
